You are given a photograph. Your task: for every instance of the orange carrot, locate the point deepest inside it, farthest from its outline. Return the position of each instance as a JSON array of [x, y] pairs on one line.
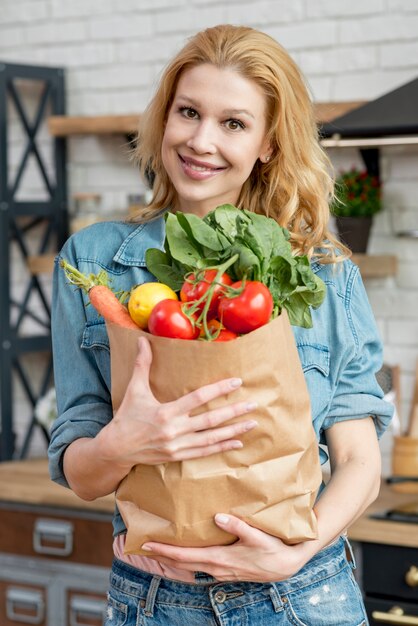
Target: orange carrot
[[100, 295]]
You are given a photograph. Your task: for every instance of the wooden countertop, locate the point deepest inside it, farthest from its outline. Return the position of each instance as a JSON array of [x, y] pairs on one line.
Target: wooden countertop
[[28, 482], [387, 532]]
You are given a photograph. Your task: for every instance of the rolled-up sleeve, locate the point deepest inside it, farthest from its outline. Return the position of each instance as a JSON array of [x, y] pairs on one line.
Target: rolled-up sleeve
[[357, 392], [83, 397]]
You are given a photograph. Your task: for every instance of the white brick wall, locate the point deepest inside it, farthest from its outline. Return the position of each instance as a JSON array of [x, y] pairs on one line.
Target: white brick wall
[[113, 52]]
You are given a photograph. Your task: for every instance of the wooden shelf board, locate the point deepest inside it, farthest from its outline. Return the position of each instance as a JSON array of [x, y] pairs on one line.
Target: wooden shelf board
[[64, 126], [41, 263], [325, 112], [376, 266]]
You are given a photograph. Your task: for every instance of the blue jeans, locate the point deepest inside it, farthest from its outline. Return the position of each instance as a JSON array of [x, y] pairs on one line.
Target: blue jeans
[[323, 593]]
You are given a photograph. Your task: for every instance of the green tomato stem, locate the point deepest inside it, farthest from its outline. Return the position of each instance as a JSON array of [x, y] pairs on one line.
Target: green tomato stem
[[191, 309]]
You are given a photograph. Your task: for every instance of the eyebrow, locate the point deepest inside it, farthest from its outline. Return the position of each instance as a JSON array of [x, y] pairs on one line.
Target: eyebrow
[[231, 112]]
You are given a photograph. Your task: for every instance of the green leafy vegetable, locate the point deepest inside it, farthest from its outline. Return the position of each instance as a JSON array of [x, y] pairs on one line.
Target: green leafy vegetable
[[262, 249]]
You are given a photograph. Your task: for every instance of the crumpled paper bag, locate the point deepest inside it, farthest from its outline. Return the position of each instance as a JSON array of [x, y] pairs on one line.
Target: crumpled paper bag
[[271, 483]]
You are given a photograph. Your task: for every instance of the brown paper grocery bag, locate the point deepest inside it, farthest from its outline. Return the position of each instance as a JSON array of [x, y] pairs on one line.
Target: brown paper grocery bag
[[271, 482]]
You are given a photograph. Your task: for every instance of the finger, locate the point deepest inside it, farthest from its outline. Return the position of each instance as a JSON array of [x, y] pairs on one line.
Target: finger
[[142, 365], [237, 527], [214, 436], [186, 558], [190, 567], [212, 419], [204, 394], [200, 452]]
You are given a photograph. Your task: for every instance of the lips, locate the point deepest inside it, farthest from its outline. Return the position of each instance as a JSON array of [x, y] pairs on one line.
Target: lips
[[199, 170]]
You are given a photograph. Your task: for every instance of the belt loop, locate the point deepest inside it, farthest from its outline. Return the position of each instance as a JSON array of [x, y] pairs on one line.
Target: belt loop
[[349, 552], [276, 599], [151, 595]]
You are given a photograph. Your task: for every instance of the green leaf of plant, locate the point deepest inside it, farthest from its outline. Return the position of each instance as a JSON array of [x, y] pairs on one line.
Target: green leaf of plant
[[199, 231], [161, 266], [315, 297], [283, 271], [247, 264], [224, 219], [181, 247], [298, 311]]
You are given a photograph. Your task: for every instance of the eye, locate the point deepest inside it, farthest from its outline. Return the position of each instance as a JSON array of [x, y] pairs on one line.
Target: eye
[[188, 112], [234, 125]]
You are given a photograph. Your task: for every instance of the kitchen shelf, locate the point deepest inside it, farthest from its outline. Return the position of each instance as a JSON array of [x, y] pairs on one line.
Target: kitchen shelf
[[376, 265], [64, 126]]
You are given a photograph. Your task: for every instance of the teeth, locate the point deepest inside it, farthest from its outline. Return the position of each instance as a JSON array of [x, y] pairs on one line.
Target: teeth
[[199, 168]]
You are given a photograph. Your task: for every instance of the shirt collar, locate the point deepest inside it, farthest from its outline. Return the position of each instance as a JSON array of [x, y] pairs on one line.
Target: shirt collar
[[144, 236]]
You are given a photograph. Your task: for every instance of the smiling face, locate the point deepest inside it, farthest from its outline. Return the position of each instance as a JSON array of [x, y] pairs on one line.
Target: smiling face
[[214, 134]]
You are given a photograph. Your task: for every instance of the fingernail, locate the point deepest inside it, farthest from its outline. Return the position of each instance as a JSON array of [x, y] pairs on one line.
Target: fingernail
[[237, 444], [251, 424], [146, 547], [251, 406], [221, 518], [235, 382]]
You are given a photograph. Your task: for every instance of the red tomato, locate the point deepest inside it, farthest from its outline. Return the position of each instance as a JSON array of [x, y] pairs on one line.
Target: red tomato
[[191, 292], [226, 335], [168, 320], [248, 311]]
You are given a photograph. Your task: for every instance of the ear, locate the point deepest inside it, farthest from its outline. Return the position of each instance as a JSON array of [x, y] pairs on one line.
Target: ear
[[265, 152]]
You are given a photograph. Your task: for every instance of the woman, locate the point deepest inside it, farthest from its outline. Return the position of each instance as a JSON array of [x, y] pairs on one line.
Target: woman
[[231, 122]]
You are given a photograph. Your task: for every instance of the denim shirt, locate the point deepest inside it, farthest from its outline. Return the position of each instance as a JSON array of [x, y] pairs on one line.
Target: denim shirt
[[340, 355]]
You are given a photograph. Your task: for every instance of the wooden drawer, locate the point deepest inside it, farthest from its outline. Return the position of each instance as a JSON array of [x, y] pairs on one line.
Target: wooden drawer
[[65, 535], [85, 608], [21, 603], [385, 571]]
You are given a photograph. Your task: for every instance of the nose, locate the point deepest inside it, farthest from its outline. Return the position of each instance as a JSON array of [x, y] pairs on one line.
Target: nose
[[202, 138]]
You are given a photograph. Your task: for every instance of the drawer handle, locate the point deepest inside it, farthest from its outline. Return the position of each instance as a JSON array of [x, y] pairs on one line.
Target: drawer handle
[[25, 605], [395, 615], [411, 576], [90, 608], [53, 537]]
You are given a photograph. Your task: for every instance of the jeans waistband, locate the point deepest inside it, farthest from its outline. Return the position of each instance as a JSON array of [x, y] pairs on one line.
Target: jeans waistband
[[147, 587]]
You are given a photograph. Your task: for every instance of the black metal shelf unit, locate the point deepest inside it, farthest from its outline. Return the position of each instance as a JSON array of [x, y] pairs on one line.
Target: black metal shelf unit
[[20, 218]]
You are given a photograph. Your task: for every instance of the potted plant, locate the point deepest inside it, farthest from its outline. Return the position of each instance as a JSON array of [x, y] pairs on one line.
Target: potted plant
[[357, 199]]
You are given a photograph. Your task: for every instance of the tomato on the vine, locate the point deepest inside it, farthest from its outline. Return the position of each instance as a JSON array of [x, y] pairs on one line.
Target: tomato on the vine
[[249, 310], [168, 320], [225, 335], [218, 331], [192, 291]]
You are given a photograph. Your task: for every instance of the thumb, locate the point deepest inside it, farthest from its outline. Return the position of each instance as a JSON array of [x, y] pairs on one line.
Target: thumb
[[142, 365], [236, 526]]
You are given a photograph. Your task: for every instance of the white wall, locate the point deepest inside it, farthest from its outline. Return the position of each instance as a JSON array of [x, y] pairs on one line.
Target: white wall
[[113, 50]]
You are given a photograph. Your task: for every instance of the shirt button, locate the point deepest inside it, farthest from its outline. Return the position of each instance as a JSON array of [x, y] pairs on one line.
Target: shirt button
[[220, 597]]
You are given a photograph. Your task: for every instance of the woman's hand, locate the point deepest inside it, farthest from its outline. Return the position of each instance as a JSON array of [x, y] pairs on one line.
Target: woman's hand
[[146, 431], [256, 556]]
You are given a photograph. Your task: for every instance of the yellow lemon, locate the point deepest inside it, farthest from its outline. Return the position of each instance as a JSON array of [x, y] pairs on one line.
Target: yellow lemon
[[143, 299]]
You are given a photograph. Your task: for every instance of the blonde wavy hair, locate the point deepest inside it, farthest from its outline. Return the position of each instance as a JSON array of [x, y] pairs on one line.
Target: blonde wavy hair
[[295, 186]]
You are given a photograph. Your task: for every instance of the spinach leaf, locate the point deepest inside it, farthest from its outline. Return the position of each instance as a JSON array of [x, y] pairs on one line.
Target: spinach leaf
[[181, 247], [163, 267], [198, 231]]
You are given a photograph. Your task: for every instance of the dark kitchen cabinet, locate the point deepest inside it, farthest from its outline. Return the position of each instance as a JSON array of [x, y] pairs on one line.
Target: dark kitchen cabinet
[[390, 583]]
